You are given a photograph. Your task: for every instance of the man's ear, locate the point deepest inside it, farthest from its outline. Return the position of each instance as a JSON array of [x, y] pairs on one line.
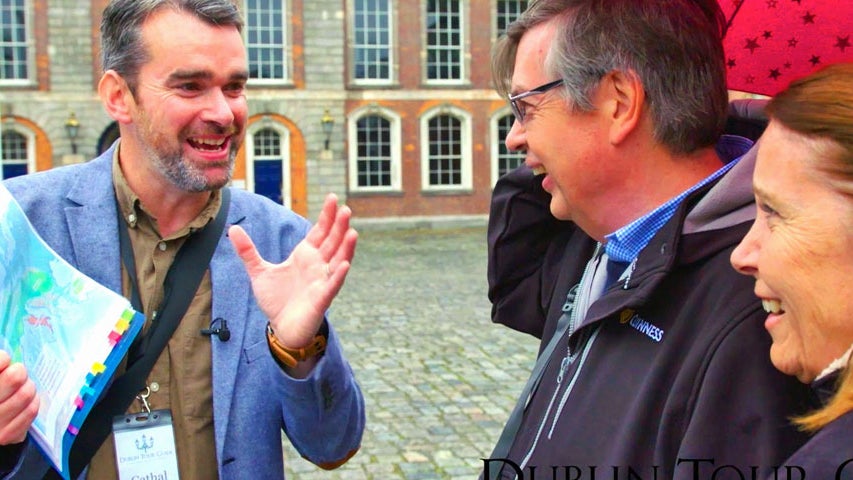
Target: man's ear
[[625, 103], [116, 96]]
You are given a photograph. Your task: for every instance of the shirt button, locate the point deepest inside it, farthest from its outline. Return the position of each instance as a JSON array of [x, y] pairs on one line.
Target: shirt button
[[155, 387], [162, 246]]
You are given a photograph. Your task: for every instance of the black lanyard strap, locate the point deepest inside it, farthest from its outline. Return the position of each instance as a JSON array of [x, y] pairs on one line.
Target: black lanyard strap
[[180, 286]]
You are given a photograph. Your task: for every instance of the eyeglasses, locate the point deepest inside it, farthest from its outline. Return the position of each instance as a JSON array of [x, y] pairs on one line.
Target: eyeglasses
[[518, 108]]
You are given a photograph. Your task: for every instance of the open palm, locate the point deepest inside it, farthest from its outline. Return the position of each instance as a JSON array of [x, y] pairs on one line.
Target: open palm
[[296, 293]]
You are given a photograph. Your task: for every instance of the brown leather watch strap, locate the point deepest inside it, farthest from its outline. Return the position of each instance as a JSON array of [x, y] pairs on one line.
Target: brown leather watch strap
[[291, 356]]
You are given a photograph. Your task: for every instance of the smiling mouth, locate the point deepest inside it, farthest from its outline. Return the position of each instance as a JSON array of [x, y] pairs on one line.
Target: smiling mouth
[[207, 144], [772, 306], [540, 170]]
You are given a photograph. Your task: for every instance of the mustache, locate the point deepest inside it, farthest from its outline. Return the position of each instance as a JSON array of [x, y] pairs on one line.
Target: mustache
[[212, 129]]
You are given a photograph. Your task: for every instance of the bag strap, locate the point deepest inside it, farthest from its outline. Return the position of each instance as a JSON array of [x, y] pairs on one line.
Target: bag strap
[[180, 285], [513, 423]]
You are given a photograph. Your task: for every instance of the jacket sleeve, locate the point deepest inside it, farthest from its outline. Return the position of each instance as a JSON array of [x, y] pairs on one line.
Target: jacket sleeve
[[24, 462], [324, 414], [741, 410], [521, 229]]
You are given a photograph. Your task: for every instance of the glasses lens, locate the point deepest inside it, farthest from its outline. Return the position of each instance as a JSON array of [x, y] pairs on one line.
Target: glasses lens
[[516, 110]]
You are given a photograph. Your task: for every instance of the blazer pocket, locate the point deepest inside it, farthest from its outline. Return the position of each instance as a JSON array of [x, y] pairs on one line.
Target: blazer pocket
[[256, 351]]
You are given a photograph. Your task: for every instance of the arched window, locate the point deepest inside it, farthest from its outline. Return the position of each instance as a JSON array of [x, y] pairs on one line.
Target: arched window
[[16, 154], [446, 149], [375, 160]]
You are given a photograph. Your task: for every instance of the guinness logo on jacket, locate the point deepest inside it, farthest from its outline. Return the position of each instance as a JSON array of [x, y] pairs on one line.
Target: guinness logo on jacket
[[639, 324]]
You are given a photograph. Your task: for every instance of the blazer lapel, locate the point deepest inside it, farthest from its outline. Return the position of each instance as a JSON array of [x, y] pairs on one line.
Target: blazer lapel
[[231, 296], [92, 223]]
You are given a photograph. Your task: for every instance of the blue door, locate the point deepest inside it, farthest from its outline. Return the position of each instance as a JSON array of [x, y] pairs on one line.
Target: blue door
[[268, 179], [14, 169]]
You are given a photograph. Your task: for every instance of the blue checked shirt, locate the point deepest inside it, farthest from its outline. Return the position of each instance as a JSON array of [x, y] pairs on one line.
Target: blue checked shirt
[[625, 244]]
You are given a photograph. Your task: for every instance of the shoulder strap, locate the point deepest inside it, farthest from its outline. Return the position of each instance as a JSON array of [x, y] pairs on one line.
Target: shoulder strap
[[513, 423], [180, 286]]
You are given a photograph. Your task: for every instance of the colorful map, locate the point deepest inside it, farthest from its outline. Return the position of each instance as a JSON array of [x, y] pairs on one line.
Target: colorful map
[[69, 331]]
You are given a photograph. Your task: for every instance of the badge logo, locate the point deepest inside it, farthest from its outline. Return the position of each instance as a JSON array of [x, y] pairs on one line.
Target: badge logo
[[144, 443]]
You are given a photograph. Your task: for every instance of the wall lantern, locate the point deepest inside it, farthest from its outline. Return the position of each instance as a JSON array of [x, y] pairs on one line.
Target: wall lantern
[[72, 128], [328, 123]]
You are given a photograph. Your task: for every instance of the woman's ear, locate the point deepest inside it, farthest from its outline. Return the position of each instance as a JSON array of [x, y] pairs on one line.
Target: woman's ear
[[116, 96]]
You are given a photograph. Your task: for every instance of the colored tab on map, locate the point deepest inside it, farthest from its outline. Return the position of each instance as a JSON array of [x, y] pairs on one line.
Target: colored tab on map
[[73, 430], [78, 402], [114, 337], [98, 368], [124, 322]]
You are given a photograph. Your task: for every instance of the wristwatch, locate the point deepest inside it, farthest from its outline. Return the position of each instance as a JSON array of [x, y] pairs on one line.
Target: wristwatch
[[291, 356]]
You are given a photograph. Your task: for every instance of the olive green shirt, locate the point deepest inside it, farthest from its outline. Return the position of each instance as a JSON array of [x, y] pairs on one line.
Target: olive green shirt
[[181, 380]]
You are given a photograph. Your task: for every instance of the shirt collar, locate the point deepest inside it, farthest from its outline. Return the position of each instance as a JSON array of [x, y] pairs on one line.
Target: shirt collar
[[625, 244], [132, 209]]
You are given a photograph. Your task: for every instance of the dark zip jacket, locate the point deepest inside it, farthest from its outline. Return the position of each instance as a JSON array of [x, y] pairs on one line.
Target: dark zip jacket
[[671, 376]]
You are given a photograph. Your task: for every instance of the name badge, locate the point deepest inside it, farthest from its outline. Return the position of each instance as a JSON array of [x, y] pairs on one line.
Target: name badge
[[145, 446]]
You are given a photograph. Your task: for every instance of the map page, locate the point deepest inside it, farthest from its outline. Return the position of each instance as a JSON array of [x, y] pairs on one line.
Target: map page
[[67, 330]]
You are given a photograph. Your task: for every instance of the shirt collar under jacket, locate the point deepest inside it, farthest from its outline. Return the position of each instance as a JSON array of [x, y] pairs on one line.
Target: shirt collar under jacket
[[625, 244]]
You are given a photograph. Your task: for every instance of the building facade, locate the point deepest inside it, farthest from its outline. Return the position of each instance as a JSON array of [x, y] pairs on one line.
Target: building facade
[[388, 103]]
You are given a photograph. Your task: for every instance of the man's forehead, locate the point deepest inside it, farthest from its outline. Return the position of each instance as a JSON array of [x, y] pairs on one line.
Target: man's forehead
[[531, 57]]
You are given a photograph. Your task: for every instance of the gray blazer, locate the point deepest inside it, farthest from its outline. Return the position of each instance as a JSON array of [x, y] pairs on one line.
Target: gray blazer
[[74, 209]]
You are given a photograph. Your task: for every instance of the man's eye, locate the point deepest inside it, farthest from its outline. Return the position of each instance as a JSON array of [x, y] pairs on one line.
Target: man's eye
[[189, 87], [235, 89]]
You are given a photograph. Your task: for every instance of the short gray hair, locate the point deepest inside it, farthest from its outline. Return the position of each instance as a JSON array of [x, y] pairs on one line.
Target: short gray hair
[[673, 46], [122, 49]]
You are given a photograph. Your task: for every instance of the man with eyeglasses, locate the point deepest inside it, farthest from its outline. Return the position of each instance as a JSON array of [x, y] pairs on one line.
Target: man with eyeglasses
[[611, 245]]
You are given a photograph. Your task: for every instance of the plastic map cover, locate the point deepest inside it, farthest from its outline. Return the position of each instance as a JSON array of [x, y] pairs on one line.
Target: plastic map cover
[[67, 330]]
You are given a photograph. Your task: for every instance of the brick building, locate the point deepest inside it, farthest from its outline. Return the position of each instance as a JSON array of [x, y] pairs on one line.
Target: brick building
[[401, 86]]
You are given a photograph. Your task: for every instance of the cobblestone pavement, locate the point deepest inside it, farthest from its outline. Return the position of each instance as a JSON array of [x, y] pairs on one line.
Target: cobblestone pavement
[[439, 379]]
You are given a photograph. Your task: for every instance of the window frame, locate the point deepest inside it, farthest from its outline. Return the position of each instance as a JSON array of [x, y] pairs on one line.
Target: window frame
[[466, 150], [287, 35], [464, 56], [497, 17], [30, 46], [29, 138], [392, 46], [395, 129]]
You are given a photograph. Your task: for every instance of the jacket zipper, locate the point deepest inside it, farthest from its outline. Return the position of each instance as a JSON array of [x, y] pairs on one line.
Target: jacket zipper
[[581, 295]]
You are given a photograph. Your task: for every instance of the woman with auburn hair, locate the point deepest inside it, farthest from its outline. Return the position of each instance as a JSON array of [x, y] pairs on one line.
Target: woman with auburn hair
[[800, 251]]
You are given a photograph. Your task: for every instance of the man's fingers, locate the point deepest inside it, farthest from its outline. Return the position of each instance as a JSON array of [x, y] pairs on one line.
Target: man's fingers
[[18, 403], [346, 249], [5, 360], [320, 230], [331, 244], [12, 377], [245, 249], [15, 430]]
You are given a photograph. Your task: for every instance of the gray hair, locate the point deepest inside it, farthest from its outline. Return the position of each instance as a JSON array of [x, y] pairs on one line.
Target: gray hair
[[122, 49], [673, 46]]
